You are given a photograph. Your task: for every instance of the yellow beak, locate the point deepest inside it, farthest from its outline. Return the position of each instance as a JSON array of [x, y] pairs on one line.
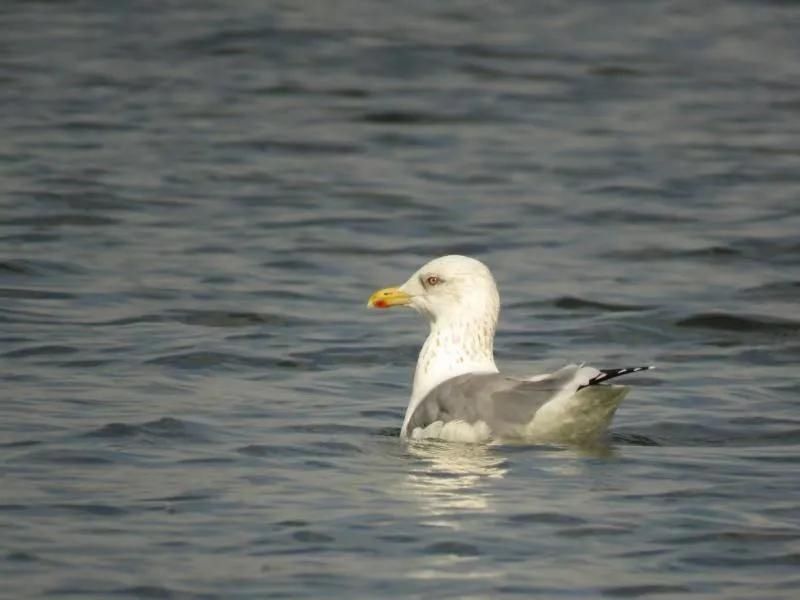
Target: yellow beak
[[388, 297]]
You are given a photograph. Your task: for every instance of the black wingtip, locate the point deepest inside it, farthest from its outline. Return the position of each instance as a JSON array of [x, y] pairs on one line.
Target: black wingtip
[[606, 374]]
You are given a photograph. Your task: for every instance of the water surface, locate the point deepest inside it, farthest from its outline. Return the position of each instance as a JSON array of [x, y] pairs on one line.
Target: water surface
[[196, 199]]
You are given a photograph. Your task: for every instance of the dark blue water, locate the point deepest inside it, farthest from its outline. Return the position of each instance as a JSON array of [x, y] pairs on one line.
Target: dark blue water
[[196, 199]]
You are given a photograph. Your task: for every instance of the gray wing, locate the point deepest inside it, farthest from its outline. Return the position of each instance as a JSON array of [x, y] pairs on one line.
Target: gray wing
[[504, 403]]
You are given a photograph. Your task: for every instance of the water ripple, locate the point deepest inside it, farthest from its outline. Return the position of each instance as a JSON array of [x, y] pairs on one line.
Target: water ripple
[[167, 428], [740, 323]]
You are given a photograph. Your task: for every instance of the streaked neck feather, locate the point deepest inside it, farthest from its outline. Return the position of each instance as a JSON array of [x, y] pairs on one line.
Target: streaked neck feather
[[453, 348]]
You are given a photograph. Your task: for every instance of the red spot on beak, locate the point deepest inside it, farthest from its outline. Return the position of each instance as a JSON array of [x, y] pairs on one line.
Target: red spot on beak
[[381, 304]]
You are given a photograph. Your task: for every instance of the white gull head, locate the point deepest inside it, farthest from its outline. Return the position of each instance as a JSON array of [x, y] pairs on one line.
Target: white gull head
[[459, 297]]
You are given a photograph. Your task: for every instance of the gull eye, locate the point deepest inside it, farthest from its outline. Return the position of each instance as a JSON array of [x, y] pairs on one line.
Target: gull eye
[[433, 280]]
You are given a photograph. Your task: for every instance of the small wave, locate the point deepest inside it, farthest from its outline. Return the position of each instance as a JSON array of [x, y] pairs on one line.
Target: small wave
[[615, 71], [632, 216], [733, 433], [576, 303], [591, 531], [545, 518], [775, 250], [710, 251], [327, 428], [83, 124], [638, 591], [633, 439], [21, 557], [743, 536], [207, 318], [282, 147], [201, 360], [290, 523], [154, 592], [790, 559], [384, 413], [293, 88], [407, 117], [145, 318], [731, 322], [777, 290], [319, 449], [188, 497], [312, 537], [165, 427], [34, 294], [662, 253], [207, 460], [292, 264], [79, 220], [333, 357], [84, 364], [101, 510], [222, 318], [30, 237], [388, 432], [44, 350], [20, 444], [251, 40], [453, 548], [64, 456], [16, 267]]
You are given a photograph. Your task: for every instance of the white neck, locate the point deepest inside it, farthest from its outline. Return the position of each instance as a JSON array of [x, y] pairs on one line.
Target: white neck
[[454, 347]]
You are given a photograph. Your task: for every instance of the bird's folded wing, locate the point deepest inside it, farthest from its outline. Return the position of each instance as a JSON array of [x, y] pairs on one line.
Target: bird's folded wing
[[505, 404]]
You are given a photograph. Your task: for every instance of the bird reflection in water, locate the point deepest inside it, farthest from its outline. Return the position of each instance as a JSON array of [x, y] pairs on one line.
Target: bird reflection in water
[[450, 478]]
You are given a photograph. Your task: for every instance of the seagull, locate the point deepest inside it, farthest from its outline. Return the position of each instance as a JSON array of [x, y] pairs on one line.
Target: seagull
[[458, 393]]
